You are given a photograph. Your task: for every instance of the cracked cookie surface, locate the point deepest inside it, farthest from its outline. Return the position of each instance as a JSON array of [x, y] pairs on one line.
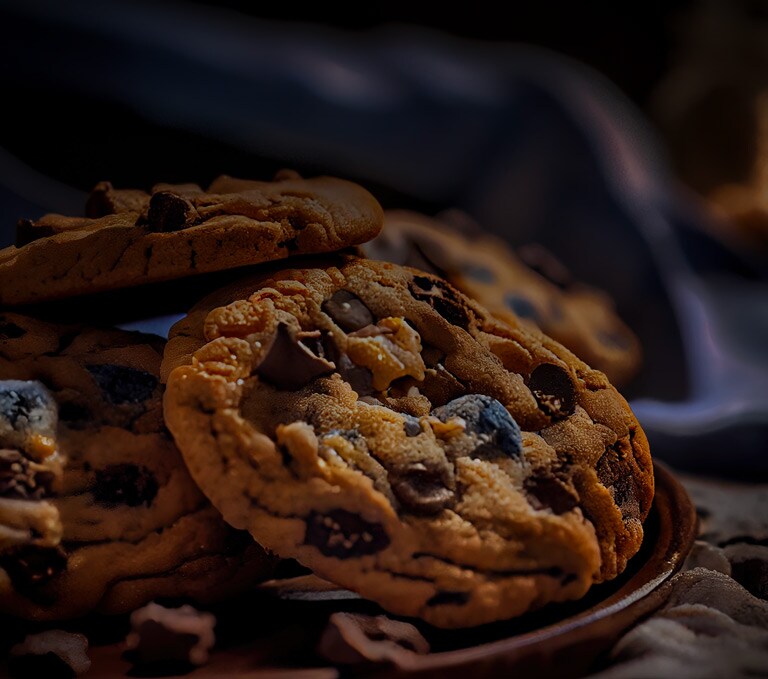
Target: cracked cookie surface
[[378, 426], [132, 238], [529, 284], [130, 524]]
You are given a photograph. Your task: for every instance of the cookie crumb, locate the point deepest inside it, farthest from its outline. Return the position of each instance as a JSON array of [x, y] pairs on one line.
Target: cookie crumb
[[50, 654], [171, 635]]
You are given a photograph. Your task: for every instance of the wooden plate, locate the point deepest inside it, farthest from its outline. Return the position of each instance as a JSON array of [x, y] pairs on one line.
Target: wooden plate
[[272, 632]]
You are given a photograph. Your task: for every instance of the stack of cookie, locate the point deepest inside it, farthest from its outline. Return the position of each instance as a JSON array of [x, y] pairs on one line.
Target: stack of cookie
[[362, 417]]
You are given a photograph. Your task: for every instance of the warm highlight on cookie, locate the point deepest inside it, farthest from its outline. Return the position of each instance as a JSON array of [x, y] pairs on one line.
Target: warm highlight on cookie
[[132, 238], [378, 426], [118, 521]]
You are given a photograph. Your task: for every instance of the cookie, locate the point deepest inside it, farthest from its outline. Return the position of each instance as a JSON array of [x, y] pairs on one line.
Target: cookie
[[133, 526], [530, 285], [133, 238], [384, 430]]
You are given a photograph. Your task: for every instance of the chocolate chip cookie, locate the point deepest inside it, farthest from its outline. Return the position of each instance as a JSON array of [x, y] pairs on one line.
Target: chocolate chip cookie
[[128, 524], [529, 284], [374, 423], [131, 237]]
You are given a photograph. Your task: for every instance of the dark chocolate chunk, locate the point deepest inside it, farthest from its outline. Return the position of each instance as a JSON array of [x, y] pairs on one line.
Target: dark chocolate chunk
[[442, 298], [423, 489], [615, 339], [169, 211], [348, 311], [496, 430], [412, 426], [548, 492], [544, 263], [29, 566], [479, 273], [445, 598], [289, 363], [522, 306], [53, 654], [121, 384], [343, 535], [20, 480], [440, 386], [353, 638], [9, 330], [553, 389], [124, 484]]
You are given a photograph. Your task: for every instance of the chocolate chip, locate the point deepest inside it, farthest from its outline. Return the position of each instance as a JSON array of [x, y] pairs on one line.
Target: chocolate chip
[[522, 306], [615, 339], [20, 480], [170, 212], [53, 654], [614, 474], [121, 384], [446, 598], [358, 377], [353, 638], [9, 330], [411, 426], [423, 489], [440, 386], [548, 492], [553, 390], [479, 273], [343, 535], [442, 298], [290, 364], [28, 232], [124, 484], [348, 311], [487, 419], [29, 566], [546, 264]]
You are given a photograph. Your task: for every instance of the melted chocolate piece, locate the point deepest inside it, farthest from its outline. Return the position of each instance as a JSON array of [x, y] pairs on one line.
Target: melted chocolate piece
[[445, 598], [9, 330], [521, 306], [479, 273], [348, 311], [170, 212], [548, 492], [124, 484], [423, 489], [544, 263], [615, 339], [496, 430], [614, 475], [289, 363], [440, 386], [19, 481], [29, 566], [343, 535], [121, 384], [442, 298], [553, 390]]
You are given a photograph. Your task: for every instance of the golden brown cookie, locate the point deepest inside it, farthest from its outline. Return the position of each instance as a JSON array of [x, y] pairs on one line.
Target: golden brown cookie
[[133, 526], [386, 431], [177, 231], [529, 284]]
